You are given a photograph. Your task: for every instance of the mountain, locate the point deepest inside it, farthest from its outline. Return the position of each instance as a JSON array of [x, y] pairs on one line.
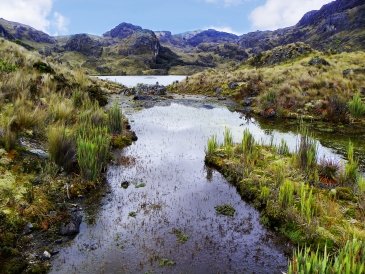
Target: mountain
[[129, 49], [339, 26]]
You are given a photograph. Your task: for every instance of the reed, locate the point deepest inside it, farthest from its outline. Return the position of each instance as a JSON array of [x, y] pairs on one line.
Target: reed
[[212, 145], [115, 119], [348, 260], [248, 142], [286, 194], [356, 106], [283, 148], [307, 202], [352, 166]]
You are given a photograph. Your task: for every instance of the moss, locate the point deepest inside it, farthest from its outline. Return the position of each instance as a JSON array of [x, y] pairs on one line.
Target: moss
[[121, 141]]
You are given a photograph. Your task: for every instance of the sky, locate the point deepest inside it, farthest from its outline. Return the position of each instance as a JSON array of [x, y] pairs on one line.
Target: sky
[[61, 17]]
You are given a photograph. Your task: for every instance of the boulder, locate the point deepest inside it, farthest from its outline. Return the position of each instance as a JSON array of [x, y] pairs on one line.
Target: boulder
[[233, 85]]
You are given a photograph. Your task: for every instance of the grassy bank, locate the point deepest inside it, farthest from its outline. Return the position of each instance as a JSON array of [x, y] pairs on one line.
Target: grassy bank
[[316, 203], [291, 82], [55, 139]]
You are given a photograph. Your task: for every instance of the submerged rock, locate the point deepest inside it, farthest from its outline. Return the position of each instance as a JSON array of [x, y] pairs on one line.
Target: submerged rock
[[125, 184], [72, 227]]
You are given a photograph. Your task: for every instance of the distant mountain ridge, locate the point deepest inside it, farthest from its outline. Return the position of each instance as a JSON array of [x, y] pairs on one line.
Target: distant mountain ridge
[[339, 26]]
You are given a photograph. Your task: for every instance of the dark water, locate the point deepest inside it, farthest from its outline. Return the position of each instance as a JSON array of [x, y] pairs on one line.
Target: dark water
[[180, 193]]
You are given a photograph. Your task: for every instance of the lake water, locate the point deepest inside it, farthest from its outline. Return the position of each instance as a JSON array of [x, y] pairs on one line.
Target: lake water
[[179, 193], [132, 81]]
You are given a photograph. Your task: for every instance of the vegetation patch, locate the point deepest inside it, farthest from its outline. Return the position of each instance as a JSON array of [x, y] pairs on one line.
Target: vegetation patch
[[226, 210], [318, 205], [181, 237], [164, 262]]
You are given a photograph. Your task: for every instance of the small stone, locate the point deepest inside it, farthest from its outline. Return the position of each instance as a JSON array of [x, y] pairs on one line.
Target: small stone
[[125, 184], [58, 241], [46, 255], [28, 229]]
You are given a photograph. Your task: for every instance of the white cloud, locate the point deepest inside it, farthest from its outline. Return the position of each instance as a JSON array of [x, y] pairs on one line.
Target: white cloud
[[36, 13], [60, 23], [226, 3], [224, 29], [276, 14]]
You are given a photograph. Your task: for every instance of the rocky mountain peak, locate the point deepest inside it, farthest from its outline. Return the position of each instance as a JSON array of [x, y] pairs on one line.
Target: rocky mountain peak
[[122, 31]]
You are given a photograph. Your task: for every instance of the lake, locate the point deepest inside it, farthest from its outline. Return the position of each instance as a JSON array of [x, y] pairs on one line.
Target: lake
[[132, 81]]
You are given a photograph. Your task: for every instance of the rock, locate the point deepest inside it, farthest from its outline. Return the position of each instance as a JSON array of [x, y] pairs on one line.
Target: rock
[[58, 241], [318, 61], [125, 184], [46, 255], [36, 181], [218, 91], [134, 136], [233, 85], [71, 227], [33, 148], [142, 98], [347, 72], [28, 229], [247, 102], [221, 98]]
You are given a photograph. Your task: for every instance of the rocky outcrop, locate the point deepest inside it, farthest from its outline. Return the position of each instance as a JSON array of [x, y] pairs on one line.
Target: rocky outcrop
[[83, 43], [212, 36]]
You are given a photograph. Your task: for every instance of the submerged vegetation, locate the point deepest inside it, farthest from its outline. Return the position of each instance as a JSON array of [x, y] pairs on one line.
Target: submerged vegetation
[[53, 128], [317, 204]]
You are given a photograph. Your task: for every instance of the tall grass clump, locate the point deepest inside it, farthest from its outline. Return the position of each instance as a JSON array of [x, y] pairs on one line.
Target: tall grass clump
[[93, 142], [61, 147], [286, 194], [248, 142], [115, 119], [306, 151], [307, 202], [348, 260], [212, 145], [356, 106], [352, 166], [228, 138], [283, 148]]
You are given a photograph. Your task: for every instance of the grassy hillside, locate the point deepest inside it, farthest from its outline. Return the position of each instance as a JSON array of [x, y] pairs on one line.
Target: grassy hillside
[[55, 138], [311, 84]]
